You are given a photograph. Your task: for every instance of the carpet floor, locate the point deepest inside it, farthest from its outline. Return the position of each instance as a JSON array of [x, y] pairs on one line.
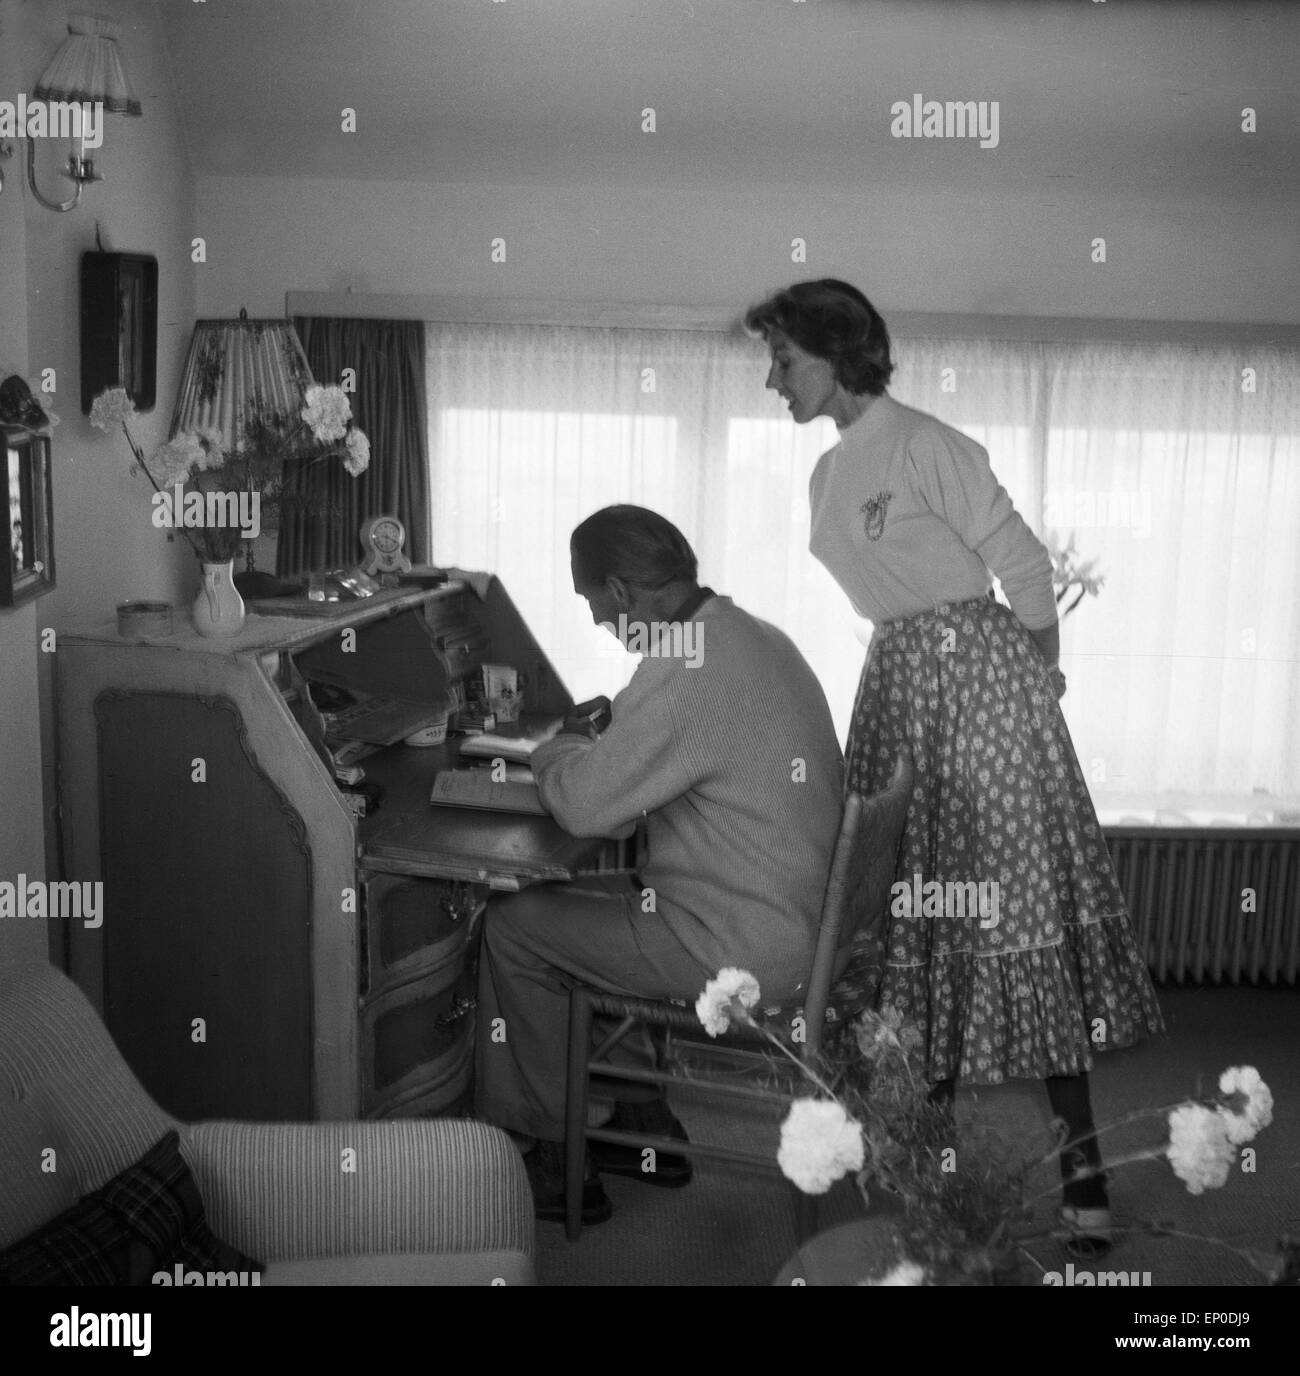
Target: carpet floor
[[734, 1226]]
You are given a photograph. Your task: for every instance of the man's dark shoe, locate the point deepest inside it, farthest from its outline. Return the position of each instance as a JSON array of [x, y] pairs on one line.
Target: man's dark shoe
[[545, 1166], [662, 1169]]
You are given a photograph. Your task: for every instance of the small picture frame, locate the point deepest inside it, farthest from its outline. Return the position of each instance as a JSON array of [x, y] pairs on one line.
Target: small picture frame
[[27, 562]]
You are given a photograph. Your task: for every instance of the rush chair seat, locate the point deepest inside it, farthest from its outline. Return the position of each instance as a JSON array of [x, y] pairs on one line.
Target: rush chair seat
[[854, 908]]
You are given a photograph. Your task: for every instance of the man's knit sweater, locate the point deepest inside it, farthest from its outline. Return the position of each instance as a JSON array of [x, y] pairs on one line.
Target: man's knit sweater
[[735, 766]]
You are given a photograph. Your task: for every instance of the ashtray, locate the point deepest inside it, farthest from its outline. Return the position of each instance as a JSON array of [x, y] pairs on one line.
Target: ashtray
[[433, 734]]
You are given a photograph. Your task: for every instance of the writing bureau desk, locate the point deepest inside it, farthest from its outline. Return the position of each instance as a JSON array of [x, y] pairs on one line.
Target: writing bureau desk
[[262, 953]]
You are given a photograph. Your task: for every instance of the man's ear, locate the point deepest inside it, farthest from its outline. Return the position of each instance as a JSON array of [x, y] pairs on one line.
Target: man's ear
[[620, 593]]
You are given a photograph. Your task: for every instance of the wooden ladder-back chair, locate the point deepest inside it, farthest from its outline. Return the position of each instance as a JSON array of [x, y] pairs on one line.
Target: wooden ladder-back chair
[[855, 905]]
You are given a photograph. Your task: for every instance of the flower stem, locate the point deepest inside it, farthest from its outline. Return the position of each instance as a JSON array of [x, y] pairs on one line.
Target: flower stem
[[1259, 1260], [1155, 1154], [144, 468], [804, 1067], [1134, 1117]]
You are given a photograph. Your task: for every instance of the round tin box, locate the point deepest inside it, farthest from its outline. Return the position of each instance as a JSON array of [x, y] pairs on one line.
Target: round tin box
[[144, 620]]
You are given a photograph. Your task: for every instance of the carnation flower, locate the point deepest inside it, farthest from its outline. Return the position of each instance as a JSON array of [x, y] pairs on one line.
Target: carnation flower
[[111, 407], [819, 1144], [171, 462], [730, 995], [1199, 1148], [905, 1273], [212, 447], [1257, 1113], [357, 458], [327, 412]]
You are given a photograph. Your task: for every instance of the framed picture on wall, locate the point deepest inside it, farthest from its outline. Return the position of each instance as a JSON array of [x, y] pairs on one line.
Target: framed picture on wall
[[27, 558], [119, 326]]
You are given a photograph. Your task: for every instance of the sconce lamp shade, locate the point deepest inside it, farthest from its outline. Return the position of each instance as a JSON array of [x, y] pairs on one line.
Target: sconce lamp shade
[[88, 67], [237, 369]]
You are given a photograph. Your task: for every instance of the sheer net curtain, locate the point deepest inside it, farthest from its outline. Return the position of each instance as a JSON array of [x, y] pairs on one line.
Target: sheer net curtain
[[1183, 673], [1187, 665]]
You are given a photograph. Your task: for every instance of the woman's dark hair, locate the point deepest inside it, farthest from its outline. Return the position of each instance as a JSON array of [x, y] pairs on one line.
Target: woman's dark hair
[[634, 544], [831, 320]]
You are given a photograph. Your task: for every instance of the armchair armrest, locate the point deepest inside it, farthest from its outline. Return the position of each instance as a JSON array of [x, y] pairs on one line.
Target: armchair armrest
[[287, 1191]]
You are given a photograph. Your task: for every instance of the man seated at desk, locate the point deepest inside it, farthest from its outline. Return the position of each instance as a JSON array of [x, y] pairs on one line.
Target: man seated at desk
[[727, 750]]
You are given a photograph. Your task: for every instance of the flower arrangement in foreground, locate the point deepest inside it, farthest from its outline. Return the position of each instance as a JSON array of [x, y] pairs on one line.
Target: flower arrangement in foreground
[[871, 1116], [322, 430]]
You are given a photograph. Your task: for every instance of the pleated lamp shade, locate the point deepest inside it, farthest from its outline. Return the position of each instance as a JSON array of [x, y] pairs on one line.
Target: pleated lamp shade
[[237, 368], [88, 67]]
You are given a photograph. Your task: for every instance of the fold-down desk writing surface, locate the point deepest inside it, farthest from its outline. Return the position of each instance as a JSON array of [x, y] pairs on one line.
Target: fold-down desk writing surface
[[505, 850]]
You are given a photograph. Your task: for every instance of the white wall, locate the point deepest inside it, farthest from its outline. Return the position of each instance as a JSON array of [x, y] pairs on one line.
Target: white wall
[[106, 550], [726, 245], [22, 833]]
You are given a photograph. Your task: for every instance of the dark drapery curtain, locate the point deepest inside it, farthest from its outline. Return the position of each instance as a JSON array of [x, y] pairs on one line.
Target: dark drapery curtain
[[389, 405]]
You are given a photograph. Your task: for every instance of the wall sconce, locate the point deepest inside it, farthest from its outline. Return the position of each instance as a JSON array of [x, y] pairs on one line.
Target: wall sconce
[[85, 72]]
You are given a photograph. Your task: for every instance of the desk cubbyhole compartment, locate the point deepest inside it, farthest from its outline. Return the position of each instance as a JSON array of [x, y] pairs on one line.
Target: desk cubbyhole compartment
[[413, 926]]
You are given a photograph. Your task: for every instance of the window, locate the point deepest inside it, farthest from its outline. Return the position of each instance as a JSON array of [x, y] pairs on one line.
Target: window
[[1182, 485]]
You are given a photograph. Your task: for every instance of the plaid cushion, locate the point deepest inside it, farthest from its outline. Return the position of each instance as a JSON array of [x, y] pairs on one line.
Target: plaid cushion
[[148, 1219]]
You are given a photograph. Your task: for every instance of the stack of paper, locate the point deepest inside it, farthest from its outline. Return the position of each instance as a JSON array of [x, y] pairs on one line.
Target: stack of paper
[[477, 788]]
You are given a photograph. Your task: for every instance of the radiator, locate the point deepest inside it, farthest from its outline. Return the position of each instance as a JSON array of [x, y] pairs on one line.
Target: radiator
[[1184, 892]]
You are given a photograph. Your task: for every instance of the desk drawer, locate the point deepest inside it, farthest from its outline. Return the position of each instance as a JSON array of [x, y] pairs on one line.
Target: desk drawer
[[413, 926], [418, 1047]]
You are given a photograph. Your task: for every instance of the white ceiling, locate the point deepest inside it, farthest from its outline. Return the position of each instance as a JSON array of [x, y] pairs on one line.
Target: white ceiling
[[1130, 97]]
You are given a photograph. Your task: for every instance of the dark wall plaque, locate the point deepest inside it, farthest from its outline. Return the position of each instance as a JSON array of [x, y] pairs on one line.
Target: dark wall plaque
[[119, 326]]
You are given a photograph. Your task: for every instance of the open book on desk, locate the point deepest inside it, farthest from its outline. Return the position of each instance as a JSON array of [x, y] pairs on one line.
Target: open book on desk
[[476, 788]]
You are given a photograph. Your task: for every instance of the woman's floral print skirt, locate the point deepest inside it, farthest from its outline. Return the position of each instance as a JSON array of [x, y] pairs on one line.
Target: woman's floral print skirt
[[1020, 961]]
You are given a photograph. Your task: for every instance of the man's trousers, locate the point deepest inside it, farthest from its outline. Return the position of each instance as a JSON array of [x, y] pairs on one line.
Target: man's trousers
[[536, 945]]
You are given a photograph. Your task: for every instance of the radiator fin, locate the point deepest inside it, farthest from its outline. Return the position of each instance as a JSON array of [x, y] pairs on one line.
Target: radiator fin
[[1184, 890]]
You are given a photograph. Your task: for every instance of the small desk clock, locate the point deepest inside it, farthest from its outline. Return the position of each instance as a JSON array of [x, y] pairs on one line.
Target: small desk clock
[[383, 539]]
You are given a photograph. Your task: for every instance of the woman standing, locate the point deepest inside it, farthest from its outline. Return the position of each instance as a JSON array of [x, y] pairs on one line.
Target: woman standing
[[909, 518]]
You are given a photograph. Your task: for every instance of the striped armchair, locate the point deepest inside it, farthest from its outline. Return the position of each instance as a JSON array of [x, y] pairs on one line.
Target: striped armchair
[[427, 1202]]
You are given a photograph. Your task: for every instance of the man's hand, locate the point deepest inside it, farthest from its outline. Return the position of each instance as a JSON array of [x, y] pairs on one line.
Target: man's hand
[[588, 718]]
